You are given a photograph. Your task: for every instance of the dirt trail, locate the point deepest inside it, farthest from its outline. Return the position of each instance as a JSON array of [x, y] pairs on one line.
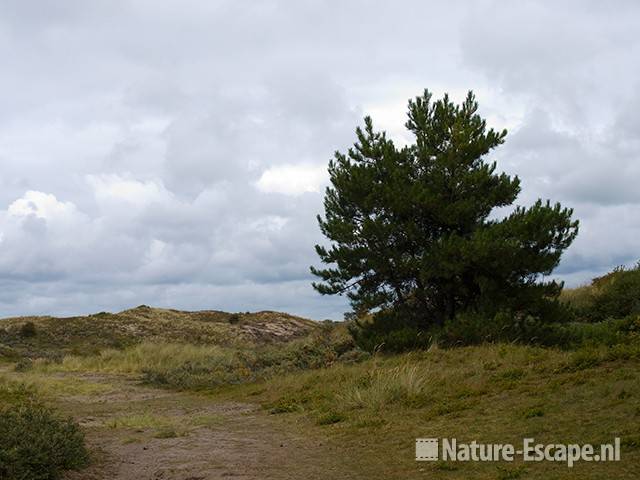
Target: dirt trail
[[143, 433]]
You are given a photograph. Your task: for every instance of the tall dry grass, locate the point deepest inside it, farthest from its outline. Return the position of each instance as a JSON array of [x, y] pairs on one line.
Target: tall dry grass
[[147, 356], [381, 387]]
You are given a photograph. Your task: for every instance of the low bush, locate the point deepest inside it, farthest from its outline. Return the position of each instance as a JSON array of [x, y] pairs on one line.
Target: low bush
[[37, 445], [13, 393], [618, 295], [23, 365], [475, 330], [388, 332], [27, 330]]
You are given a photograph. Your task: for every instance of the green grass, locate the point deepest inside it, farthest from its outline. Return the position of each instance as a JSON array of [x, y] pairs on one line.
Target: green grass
[[490, 393], [143, 357], [370, 408], [580, 297], [14, 392], [193, 367], [145, 420]]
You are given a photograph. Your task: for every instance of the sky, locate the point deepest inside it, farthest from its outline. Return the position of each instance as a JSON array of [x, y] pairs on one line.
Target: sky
[[174, 153]]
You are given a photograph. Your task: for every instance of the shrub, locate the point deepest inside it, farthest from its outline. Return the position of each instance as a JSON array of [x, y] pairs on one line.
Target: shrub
[[13, 393], [285, 405], [609, 332], [24, 365], [618, 295], [28, 329], [582, 360], [37, 445], [388, 332], [579, 299], [329, 418], [472, 328]]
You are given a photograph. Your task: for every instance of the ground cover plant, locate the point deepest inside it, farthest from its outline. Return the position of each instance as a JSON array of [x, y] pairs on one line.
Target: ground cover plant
[[36, 443]]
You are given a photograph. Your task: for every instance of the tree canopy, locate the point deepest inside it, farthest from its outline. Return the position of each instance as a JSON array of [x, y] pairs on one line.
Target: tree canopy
[[411, 229]]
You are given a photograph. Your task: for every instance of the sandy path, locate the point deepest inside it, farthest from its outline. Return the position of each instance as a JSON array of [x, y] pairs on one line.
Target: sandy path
[[207, 440]]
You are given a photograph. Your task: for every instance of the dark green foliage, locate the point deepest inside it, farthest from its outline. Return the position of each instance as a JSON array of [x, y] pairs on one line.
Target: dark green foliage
[[23, 365], [473, 329], [285, 405], [37, 445], [534, 412], [14, 393], [411, 236], [387, 333], [329, 418], [27, 330], [617, 295]]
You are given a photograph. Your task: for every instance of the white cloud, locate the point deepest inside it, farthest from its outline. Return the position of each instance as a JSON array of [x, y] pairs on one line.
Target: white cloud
[[136, 193], [41, 205], [182, 161], [293, 179]]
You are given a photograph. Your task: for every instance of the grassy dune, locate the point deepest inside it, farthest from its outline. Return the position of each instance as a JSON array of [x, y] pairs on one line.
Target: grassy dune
[[313, 381], [490, 393], [372, 410], [53, 338]]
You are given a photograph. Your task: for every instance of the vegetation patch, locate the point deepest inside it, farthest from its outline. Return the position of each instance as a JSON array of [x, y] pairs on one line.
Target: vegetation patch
[[197, 367], [37, 444]]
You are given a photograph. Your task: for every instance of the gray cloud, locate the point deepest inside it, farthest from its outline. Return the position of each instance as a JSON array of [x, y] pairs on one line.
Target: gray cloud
[[172, 153]]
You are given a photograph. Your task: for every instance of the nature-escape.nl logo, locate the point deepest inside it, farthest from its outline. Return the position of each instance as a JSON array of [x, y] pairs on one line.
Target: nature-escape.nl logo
[[427, 449]]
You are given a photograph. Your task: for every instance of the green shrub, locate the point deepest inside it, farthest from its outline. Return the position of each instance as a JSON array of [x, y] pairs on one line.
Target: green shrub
[[611, 304], [533, 412], [584, 359], [618, 295], [23, 365], [475, 328], [329, 418], [579, 299], [27, 330], [472, 328], [388, 332], [609, 332], [37, 445], [285, 405], [13, 393]]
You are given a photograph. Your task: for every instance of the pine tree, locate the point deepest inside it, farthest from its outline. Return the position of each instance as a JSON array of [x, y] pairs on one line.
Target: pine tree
[[410, 229]]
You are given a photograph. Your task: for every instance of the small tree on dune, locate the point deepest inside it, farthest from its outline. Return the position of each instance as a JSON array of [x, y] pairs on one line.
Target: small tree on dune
[[411, 231]]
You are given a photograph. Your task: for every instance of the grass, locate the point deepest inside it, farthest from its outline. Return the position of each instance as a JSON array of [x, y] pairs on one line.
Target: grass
[[370, 408], [40, 382], [580, 297], [381, 387], [490, 393], [143, 357], [193, 367], [14, 393], [141, 421]]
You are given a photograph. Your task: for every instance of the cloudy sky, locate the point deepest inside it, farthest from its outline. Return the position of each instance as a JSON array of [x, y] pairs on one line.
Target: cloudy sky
[[174, 153]]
